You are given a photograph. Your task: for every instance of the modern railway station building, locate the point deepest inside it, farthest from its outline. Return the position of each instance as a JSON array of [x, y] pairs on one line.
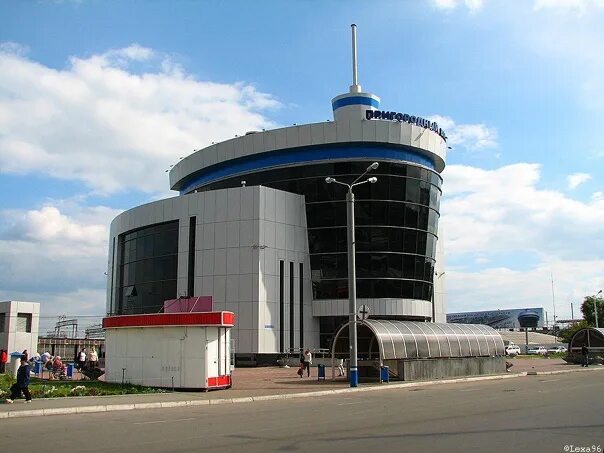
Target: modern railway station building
[[257, 228]]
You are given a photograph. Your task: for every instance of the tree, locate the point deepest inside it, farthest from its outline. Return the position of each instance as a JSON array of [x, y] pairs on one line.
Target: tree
[[567, 334], [587, 308]]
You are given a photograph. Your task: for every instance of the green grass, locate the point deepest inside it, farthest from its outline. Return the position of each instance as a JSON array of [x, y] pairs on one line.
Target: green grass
[[52, 389]]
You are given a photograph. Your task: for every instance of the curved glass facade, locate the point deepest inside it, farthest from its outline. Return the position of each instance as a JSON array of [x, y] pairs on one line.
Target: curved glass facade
[[396, 225], [148, 264]]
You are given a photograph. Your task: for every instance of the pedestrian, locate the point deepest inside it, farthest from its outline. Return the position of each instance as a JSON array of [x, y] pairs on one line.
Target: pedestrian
[[45, 357], [22, 384], [3, 360], [93, 358], [302, 366], [307, 361], [585, 354], [82, 359], [24, 356], [341, 366]]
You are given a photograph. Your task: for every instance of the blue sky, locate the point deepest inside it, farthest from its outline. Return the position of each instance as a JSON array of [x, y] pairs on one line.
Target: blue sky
[[98, 98]]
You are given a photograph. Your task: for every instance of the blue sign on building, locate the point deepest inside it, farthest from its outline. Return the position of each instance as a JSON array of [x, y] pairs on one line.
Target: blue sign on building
[[405, 118]]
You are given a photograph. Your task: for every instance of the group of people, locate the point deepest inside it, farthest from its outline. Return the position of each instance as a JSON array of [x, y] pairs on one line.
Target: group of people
[[306, 362], [87, 359], [54, 364]]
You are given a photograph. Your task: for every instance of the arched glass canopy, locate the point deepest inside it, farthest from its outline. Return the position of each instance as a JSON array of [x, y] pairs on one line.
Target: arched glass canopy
[[590, 336], [417, 340]]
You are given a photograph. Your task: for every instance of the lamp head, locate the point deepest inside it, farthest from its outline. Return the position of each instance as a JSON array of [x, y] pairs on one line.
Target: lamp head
[[373, 166], [599, 292], [372, 180], [329, 180]]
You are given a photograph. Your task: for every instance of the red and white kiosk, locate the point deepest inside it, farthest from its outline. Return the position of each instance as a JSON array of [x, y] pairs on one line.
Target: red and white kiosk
[[173, 350]]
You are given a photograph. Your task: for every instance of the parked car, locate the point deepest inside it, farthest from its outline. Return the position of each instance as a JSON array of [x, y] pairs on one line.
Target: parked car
[[512, 349], [555, 349], [539, 350]]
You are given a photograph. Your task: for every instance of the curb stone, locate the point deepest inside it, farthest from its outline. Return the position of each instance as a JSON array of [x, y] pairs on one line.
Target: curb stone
[[249, 399], [28, 413]]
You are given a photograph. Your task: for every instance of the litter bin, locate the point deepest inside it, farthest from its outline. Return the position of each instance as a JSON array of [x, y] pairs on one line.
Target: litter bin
[[384, 373], [320, 372], [38, 368], [70, 370], [15, 363]]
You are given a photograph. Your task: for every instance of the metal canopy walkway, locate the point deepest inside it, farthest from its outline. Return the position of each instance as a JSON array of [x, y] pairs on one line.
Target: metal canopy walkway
[[397, 340]]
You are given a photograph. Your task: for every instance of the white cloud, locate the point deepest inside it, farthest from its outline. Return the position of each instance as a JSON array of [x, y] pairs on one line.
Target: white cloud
[[116, 120], [576, 179], [472, 5], [13, 48], [526, 232], [505, 210], [503, 287], [470, 136], [55, 253]]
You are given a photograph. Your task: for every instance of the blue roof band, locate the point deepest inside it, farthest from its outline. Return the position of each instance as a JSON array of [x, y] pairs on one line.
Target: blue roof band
[[297, 156], [355, 100]]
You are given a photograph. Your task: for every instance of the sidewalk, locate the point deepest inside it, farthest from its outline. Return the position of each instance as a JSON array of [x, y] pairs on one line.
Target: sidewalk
[[255, 384]]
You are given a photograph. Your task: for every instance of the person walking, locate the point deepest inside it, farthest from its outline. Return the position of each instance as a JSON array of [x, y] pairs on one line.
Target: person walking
[[302, 365], [307, 361], [22, 384], [340, 366], [585, 354]]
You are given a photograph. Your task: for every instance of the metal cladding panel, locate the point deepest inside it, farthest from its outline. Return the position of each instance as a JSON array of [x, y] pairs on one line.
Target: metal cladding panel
[[407, 339]]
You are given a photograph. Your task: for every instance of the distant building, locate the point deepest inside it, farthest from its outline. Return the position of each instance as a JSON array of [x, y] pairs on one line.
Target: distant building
[[513, 318], [19, 323]]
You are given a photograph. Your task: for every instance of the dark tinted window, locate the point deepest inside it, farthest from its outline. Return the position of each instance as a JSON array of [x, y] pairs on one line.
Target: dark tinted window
[[396, 223], [148, 268]]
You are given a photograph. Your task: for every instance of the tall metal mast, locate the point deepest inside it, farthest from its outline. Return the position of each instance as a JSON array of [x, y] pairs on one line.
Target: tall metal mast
[[355, 87]]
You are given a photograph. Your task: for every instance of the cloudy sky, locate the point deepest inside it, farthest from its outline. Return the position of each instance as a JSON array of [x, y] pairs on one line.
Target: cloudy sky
[[99, 98]]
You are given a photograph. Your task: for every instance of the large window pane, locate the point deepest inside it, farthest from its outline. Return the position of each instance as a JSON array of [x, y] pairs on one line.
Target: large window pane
[[412, 191], [422, 221], [148, 268]]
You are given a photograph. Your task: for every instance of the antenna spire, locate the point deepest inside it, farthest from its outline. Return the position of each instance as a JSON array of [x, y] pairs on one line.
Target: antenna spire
[[355, 87]]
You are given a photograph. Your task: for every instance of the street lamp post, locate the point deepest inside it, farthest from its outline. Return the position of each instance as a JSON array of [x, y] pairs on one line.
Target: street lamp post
[[352, 277], [596, 306], [438, 276]]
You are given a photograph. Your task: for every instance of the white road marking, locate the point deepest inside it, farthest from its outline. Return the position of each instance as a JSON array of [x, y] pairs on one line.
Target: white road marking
[[350, 404], [165, 421], [550, 380]]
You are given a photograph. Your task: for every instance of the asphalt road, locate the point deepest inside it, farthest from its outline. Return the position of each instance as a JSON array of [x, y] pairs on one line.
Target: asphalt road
[[534, 413]]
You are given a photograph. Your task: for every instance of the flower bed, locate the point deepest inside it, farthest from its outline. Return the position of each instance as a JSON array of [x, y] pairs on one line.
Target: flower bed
[[40, 388]]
